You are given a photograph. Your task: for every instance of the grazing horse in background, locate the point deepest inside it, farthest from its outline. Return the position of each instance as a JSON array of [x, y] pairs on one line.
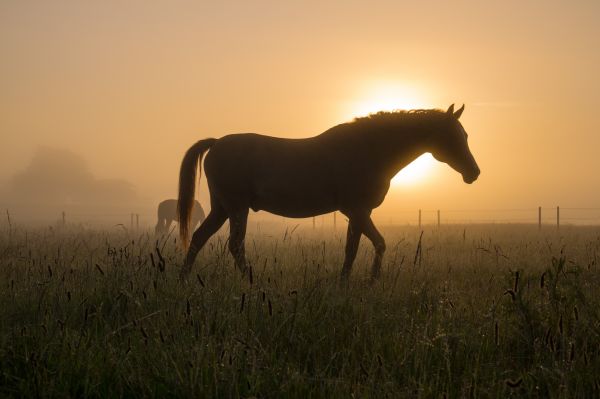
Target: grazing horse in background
[[346, 168], [167, 214]]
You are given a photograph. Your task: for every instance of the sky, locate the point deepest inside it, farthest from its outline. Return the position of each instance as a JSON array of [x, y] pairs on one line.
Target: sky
[[129, 86]]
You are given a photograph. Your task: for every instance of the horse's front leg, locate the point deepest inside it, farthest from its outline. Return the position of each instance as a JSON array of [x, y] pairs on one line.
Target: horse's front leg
[[160, 226], [352, 241]]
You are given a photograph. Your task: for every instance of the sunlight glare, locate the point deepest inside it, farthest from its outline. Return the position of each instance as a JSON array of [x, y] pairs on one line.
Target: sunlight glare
[[390, 96], [415, 172], [386, 97]]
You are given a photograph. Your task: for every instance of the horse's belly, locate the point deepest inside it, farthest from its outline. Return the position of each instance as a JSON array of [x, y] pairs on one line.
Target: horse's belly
[[294, 212], [292, 202], [297, 212]]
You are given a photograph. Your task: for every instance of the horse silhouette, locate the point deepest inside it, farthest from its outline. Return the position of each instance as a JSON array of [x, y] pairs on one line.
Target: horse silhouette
[[167, 214], [347, 168]]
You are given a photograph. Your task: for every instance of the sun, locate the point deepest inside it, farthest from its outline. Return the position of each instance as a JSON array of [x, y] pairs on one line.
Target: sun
[[385, 96], [416, 172], [390, 96]]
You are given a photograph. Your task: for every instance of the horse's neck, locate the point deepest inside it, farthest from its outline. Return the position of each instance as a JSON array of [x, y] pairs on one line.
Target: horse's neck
[[396, 149]]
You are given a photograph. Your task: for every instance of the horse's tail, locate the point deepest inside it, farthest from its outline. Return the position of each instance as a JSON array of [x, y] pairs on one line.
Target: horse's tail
[[187, 185]]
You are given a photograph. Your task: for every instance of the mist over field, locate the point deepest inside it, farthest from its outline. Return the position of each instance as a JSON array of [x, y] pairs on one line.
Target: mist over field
[[58, 180], [129, 87]]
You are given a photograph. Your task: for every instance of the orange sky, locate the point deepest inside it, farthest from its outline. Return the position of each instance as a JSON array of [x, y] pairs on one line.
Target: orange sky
[[131, 85]]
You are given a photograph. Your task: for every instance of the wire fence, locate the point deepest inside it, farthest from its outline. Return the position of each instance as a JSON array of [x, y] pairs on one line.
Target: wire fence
[[145, 218], [541, 216]]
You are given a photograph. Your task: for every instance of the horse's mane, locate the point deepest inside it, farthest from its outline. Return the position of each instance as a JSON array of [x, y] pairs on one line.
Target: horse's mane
[[391, 120], [413, 115]]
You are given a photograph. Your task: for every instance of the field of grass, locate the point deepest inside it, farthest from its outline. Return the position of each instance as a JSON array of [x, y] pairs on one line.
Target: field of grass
[[479, 311]]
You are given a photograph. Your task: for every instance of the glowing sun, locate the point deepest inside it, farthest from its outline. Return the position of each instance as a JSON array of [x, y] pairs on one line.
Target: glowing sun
[[415, 172], [388, 96]]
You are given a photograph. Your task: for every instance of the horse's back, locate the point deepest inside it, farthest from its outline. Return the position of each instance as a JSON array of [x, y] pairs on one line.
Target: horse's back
[[167, 208], [293, 177]]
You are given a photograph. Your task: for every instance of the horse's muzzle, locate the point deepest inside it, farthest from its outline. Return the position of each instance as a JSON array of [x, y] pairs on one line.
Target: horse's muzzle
[[471, 177]]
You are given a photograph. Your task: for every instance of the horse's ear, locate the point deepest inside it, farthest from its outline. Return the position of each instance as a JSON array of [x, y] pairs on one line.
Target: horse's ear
[[458, 113], [450, 110]]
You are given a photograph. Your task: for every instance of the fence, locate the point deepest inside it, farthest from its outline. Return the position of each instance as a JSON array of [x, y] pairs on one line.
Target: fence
[[542, 216], [133, 221]]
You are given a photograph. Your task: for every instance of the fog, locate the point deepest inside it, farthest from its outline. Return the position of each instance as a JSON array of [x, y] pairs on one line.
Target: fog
[[121, 90], [58, 180]]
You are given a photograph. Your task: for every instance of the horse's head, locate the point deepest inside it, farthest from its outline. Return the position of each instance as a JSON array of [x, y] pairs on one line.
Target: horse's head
[[450, 146]]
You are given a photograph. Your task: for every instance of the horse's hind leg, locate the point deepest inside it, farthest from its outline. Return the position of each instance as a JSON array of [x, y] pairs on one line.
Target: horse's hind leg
[[238, 221], [210, 226], [378, 242]]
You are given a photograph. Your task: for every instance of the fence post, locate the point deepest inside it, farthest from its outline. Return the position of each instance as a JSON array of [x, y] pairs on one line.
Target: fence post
[[64, 218], [438, 213], [131, 223], [558, 217], [334, 220], [539, 217], [313, 222], [419, 218], [137, 221]]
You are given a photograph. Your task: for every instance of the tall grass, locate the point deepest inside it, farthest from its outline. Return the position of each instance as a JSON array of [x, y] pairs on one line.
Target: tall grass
[[478, 311]]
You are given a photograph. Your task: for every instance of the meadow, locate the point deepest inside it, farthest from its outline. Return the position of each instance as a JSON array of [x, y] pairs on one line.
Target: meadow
[[482, 311]]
